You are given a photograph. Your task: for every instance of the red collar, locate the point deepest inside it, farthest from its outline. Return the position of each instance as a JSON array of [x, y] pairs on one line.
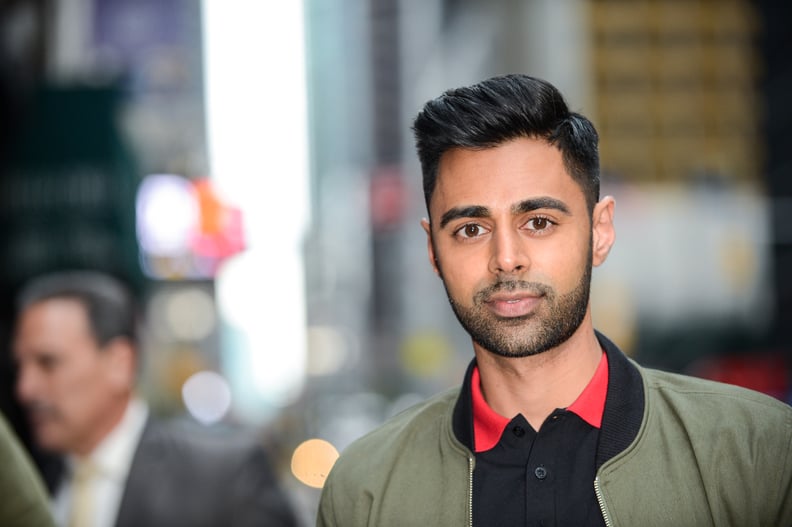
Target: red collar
[[488, 425]]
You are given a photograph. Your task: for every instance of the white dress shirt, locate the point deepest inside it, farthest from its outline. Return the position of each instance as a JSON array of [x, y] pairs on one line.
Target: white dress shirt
[[112, 457]]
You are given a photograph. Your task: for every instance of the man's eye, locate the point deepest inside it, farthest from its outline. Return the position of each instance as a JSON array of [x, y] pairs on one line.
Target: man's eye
[[48, 362], [539, 223], [470, 230]]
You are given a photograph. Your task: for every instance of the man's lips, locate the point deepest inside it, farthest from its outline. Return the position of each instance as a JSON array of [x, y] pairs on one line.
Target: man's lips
[[39, 414], [513, 305]]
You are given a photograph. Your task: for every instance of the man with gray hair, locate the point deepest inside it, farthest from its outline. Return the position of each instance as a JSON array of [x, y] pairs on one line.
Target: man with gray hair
[[77, 351]]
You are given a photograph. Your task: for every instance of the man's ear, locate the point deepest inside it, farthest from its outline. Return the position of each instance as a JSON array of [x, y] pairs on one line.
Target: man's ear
[[120, 362], [603, 232], [427, 227]]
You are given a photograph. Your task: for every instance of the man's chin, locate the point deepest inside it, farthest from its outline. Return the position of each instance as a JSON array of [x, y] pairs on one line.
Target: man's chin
[[516, 352], [49, 440]]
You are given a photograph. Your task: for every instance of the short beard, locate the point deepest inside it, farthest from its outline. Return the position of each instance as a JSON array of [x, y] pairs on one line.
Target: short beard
[[554, 321]]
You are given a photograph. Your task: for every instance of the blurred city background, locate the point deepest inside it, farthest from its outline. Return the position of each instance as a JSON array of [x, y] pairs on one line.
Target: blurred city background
[[248, 167]]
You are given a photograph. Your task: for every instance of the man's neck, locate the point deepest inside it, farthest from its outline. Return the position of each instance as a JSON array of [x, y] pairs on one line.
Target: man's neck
[[103, 429], [535, 386]]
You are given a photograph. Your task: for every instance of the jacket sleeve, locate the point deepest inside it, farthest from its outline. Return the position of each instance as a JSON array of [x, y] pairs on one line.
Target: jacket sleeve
[[24, 501], [326, 516], [785, 476], [343, 502]]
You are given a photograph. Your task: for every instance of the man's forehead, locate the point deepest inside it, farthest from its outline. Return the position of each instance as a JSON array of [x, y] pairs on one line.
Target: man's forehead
[[57, 308], [502, 177], [525, 157], [52, 319]]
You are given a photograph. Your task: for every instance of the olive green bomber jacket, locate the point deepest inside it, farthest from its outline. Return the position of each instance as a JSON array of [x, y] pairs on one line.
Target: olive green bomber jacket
[[23, 500], [674, 450]]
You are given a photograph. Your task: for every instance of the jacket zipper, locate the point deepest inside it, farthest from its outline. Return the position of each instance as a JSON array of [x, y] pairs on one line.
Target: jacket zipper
[[470, 491], [601, 501]]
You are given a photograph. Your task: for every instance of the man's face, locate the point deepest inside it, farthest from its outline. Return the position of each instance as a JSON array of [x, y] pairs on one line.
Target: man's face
[[68, 385], [511, 237]]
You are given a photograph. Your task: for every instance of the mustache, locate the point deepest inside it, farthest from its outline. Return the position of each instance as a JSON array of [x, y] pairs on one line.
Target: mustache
[[509, 286], [41, 409]]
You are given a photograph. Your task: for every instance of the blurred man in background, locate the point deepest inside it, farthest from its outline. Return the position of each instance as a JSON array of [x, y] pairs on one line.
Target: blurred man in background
[[77, 352], [553, 424]]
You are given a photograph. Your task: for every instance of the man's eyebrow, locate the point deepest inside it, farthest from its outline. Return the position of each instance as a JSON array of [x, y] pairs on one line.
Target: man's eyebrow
[[470, 211], [544, 202], [527, 205]]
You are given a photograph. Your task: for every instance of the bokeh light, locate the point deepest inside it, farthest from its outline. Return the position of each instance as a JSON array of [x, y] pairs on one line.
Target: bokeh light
[[184, 314], [312, 461], [207, 396], [426, 354], [328, 350], [191, 314], [167, 214]]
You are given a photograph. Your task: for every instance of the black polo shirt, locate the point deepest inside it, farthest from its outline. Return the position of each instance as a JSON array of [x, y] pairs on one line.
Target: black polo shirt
[[538, 478]]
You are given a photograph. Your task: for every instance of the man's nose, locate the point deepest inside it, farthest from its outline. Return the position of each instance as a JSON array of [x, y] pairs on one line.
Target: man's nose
[[509, 252]]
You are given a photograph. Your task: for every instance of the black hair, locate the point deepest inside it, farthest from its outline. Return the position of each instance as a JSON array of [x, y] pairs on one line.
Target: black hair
[[498, 110], [108, 303]]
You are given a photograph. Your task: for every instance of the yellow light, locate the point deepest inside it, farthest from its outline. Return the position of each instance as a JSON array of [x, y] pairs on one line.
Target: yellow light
[[426, 354], [312, 461]]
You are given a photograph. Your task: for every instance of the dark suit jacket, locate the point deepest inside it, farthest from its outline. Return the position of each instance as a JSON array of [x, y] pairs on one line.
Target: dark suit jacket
[[187, 475]]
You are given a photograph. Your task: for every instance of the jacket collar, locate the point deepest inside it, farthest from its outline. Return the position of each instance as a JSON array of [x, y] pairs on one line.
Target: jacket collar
[[621, 420], [624, 404]]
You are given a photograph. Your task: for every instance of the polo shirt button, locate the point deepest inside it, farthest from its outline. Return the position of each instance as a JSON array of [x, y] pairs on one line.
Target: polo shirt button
[[518, 431], [540, 472]]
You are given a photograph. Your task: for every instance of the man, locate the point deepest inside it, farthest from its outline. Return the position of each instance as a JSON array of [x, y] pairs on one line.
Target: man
[[75, 345], [552, 425]]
